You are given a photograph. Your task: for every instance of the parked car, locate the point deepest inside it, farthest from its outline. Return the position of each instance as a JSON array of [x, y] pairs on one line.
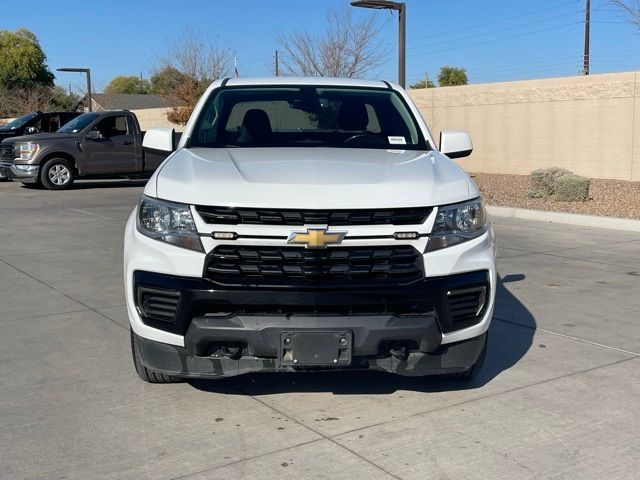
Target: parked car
[[36, 122], [305, 224], [92, 145]]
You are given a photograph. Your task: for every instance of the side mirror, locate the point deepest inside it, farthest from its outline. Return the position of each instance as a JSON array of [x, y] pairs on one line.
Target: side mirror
[[93, 135], [455, 144], [159, 139]]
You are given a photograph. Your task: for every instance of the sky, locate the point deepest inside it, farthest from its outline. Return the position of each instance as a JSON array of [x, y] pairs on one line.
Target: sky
[[495, 40]]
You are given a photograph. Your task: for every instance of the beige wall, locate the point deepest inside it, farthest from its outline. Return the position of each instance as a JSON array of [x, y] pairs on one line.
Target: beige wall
[[155, 117], [590, 125]]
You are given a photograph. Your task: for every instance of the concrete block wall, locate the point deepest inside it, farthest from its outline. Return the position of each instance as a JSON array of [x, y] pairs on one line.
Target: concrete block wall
[[155, 117], [590, 125]]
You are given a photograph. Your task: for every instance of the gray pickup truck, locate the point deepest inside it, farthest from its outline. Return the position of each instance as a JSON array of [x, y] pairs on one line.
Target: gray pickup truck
[[92, 145]]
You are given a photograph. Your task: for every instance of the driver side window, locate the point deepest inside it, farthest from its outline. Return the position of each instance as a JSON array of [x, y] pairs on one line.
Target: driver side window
[[112, 127]]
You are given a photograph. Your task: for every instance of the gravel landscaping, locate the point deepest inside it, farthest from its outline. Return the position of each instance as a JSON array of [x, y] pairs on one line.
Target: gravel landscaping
[[612, 198]]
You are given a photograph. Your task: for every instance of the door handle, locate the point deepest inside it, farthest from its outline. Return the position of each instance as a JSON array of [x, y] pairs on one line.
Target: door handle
[[127, 142]]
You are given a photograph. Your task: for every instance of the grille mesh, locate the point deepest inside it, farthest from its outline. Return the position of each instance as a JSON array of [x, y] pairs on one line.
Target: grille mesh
[[7, 153], [236, 216], [332, 267]]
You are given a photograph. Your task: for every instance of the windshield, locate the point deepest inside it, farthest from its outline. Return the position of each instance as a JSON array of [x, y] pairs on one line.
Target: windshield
[[307, 117], [18, 122], [79, 123]]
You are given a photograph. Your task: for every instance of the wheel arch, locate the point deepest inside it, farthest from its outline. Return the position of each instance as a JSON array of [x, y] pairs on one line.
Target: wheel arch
[[59, 154]]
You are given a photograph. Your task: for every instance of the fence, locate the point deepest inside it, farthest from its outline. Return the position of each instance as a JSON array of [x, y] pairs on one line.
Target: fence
[[590, 125]]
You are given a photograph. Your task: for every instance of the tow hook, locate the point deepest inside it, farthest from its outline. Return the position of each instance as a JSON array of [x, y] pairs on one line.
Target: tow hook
[[400, 352], [232, 351]]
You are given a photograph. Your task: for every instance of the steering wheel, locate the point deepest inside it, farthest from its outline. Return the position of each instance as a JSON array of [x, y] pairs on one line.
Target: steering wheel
[[363, 139]]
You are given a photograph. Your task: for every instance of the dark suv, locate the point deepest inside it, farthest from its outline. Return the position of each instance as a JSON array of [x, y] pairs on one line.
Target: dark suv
[[36, 122]]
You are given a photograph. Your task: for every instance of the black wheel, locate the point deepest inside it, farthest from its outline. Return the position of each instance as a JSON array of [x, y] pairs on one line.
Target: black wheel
[[476, 367], [147, 374], [57, 174]]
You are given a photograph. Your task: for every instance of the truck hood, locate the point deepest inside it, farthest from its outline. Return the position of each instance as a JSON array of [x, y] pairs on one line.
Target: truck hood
[[40, 137], [6, 134], [313, 178]]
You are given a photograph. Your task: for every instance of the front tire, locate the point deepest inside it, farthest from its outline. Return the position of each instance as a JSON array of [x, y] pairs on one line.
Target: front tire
[[57, 174], [147, 374]]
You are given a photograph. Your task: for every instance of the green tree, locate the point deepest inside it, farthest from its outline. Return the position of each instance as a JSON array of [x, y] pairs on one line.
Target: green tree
[[166, 80], [423, 84], [452, 76], [62, 100], [22, 60], [128, 84]]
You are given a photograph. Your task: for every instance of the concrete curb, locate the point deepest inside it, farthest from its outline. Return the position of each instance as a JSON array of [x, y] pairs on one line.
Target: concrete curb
[[596, 221]]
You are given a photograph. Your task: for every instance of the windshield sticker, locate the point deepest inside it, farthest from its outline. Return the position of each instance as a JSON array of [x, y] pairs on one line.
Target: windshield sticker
[[397, 140]]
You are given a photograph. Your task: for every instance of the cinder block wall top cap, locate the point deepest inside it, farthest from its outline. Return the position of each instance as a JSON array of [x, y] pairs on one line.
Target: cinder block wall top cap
[[542, 82]]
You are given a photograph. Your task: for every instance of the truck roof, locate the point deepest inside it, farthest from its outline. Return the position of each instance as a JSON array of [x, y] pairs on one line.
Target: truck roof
[[319, 81]]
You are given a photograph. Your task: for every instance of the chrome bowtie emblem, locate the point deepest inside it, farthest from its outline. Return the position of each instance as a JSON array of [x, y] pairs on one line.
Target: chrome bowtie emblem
[[316, 237]]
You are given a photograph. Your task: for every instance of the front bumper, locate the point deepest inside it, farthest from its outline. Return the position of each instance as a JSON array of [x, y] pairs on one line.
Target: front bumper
[[212, 320], [179, 361], [11, 171]]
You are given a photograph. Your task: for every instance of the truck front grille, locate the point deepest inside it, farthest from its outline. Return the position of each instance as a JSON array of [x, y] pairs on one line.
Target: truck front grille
[[7, 153], [236, 216], [298, 267]]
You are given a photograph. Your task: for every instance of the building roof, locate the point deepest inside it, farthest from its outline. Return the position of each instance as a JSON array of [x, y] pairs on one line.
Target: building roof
[[133, 101]]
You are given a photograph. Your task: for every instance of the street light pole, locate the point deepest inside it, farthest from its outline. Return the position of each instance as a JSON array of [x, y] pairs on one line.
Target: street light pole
[[89, 100], [402, 46], [88, 73], [401, 8]]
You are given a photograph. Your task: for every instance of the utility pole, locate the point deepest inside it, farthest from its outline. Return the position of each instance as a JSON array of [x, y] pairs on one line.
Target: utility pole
[[587, 22], [276, 65]]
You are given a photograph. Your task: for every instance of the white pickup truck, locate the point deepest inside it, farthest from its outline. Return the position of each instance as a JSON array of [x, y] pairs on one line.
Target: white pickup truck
[[304, 224]]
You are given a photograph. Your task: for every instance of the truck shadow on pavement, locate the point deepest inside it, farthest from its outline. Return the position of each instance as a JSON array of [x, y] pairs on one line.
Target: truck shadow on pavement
[[88, 184], [509, 340]]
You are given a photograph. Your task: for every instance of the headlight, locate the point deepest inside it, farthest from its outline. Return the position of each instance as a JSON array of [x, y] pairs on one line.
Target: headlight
[[26, 151], [458, 223], [168, 222]]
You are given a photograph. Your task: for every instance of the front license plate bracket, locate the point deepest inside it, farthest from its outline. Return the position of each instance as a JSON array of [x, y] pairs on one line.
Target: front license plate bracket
[[317, 348]]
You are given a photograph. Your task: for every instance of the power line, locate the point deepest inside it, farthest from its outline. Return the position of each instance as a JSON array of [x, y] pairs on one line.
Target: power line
[[479, 25], [513, 27], [573, 69], [496, 40], [509, 68]]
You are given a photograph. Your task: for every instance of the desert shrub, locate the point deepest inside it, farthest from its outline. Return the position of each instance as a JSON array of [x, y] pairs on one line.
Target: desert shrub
[[534, 194], [571, 188], [543, 181]]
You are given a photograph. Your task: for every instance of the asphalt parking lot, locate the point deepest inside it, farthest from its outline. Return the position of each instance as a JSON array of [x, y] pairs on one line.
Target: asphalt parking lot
[[558, 397]]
